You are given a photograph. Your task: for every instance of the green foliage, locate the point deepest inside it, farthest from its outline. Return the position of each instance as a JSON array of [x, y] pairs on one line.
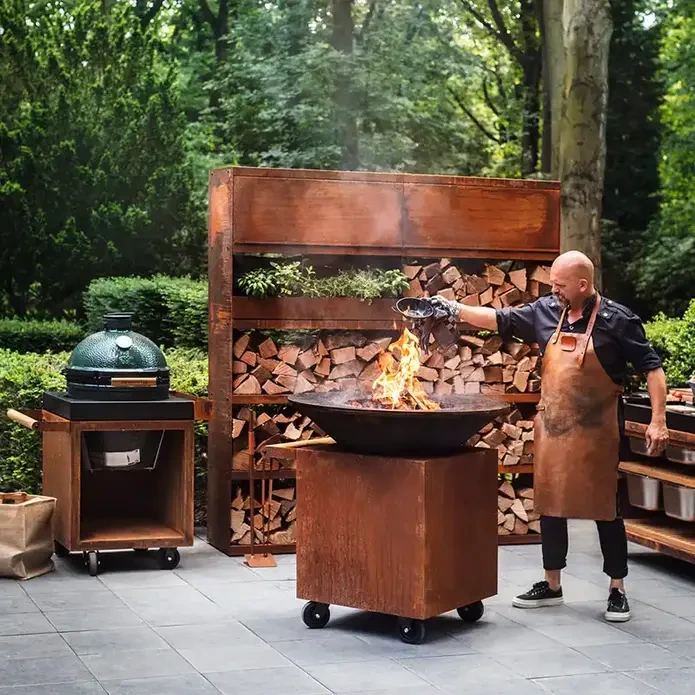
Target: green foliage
[[25, 377], [295, 279], [94, 174], [39, 336], [672, 338], [169, 311], [666, 276]]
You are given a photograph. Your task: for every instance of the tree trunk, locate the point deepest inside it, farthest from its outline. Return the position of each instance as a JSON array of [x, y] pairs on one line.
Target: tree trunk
[[531, 62], [554, 47], [342, 40], [587, 30]]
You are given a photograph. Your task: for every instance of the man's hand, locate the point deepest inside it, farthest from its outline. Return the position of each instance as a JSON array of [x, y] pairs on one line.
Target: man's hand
[[656, 437]]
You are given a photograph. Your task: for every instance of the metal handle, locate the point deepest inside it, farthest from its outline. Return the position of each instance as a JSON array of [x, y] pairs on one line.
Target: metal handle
[[133, 382], [22, 419]]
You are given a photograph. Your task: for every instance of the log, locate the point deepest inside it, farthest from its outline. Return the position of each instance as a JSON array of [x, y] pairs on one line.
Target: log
[[262, 374], [509, 521], [250, 386], [519, 511], [541, 274], [343, 355], [288, 382], [504, 504], [239, 347], [249, 358], [435, 360], [284, 369], [520, 381], [518, 279], [525, 493], [534, 526], [239, 367], [494, 275], [289, 353], [323, 368], [368, 352], [486, 297], [411, 271], [306, 360], [238, 501], [237, 427], [267, 348], [520, 527], [243, 535], [302, 385], [511, 430], [286, 493], [427, 374], [507, 489], [269, 364]]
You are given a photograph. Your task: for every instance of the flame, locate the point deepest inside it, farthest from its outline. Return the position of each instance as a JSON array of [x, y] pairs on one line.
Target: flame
[[397, 386]]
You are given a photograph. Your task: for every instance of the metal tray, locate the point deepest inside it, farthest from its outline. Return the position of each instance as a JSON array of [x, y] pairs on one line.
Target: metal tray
[[639, 446], [678, 454], [644, 492], [679, 502]]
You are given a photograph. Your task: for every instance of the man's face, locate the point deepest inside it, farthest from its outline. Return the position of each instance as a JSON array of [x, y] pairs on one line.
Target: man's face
[[566, 284]]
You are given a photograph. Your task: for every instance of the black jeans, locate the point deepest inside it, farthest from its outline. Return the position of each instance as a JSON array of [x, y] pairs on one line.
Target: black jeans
[[611, 537]]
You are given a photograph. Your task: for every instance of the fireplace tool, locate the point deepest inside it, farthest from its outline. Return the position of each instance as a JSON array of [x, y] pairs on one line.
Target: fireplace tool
[[427, 320]]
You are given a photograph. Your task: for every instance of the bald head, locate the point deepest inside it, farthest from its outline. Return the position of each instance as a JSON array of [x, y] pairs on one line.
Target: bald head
[[572, 278]]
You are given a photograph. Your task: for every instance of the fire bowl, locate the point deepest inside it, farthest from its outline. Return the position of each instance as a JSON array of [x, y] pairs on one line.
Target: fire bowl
[[384, 432]]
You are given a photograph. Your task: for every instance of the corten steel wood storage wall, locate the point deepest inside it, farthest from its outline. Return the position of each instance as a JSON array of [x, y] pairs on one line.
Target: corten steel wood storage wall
[[350, 213]]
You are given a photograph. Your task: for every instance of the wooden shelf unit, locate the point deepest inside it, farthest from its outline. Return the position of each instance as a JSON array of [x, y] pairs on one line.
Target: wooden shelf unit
[[655, 530], [351, 214]]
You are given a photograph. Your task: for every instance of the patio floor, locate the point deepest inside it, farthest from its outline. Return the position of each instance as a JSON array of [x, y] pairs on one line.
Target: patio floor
[[214, 625]]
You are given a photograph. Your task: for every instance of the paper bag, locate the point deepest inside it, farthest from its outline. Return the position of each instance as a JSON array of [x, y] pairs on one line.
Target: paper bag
[[26, 535]]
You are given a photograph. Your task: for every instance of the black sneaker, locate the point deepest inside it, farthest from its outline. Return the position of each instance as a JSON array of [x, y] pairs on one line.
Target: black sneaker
[[539, 596], [618, 609]]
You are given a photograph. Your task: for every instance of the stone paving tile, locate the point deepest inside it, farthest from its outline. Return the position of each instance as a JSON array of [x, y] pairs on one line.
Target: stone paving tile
[[634, 657], [559, 661], [38, 671], [234, 657], [82, 688], [189, 684], [330, 650], [33, 646], [365, 675], [596, 684], [19, 603], [289, 680], [149, 663], [677, 681], [24, 624], [124, 639], [105, 618], [208, 635]]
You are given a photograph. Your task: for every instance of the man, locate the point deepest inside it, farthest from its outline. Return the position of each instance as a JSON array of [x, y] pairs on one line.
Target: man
[[586, 342]]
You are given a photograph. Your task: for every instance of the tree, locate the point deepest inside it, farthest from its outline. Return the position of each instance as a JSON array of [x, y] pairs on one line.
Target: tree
[[588, 27], [94, 176]]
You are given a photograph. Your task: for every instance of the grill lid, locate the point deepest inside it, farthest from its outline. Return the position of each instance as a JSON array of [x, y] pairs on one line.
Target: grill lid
[[102, 361]]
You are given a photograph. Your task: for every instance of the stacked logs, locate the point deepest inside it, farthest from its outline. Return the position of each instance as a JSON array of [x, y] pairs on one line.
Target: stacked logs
[[511, 435], [494, 287], [273, 522], [285, 426], [515, 514]]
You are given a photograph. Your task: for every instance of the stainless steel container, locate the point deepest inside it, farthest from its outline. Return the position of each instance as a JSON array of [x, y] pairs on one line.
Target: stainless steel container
[[678, 454], [639, 446], [644, 492], [679, 502]]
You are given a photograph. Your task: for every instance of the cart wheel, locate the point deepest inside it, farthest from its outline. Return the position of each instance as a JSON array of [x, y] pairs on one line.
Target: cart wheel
[[316, 615], [169, 558], [61, 550], [93, 563], [411, 631], [472, 612]]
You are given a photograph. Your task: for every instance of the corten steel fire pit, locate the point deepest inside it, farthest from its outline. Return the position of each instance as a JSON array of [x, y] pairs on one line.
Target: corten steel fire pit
[[357, 425], [396, 515]]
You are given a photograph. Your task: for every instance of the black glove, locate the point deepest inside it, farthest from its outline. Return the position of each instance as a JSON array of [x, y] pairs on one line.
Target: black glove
[[444, 307]]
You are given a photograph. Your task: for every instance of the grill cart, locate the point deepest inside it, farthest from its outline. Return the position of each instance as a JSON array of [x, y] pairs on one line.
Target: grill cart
[[117, 449]]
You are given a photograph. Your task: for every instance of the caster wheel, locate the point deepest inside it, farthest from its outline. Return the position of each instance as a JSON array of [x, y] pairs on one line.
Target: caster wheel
[[411, 631], [92, 561], [61, 550], [169, 558], [316, 615], [472, 612]]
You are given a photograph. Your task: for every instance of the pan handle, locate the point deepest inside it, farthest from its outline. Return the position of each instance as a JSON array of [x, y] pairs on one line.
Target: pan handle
[[22, 419]]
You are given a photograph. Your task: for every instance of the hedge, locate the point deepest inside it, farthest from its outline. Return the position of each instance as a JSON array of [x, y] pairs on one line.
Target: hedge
[[169, 311], [25, 377], [39, 336]]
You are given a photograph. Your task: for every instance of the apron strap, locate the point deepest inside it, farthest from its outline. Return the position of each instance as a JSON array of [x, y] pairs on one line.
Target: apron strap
[[556, 335], [589, 330]]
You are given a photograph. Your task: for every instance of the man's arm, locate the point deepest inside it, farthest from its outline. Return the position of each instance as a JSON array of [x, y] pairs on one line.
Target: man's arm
[[657, 433], [479, 316]]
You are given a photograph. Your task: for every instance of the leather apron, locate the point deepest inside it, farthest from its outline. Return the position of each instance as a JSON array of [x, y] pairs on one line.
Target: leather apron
[[576, 436]]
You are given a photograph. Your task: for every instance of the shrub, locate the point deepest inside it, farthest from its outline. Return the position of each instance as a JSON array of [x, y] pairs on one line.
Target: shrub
[[673, 339], [169, 311], [25, 377], [39, 336]]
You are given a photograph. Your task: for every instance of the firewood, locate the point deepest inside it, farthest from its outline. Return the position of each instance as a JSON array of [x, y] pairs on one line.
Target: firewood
[[238, 501], [517, 350], [534, 385], [284, 369], [446, 374], [414, 289], [516, 449], [348, 369], [495, 438], [428, 374], [471, 300], [237, 427], [368, 352], [509, 521], [286, 493], [239, 380], [521, 380], [306, 360], [508, 374], [534, 526], [249, 358], [511, 430], [239, 367], [243, 535], [270, 509], [477, 375], [507, 489], [495, 359], [287, 382], [465, 353], [528, 505], [496, 303], [493, 374], [321, 349], [292, 433], [520, 527], [472, 387], [343, 355], [459, 385], [494, 275], [510, 460], [286, 506], [431, 270], [533, 516], [453, 363], [504, 504], [302, 385], [240, 345], [250, 386], [519, 511], [500, 517], [502, 531], [510, 297], [451, 275], [262, 374], [435, 360], [411, 271], [289, 353], [525, 424], [541, 274], [442, 388], [323, 368], [491, 345], [525, 493], [268, 364], [478, 360], [267, 349], [518, 279], [486, 297], [492, 388]]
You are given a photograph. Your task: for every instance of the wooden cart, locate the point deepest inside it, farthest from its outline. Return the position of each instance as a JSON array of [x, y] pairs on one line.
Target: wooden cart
[[116, 509]]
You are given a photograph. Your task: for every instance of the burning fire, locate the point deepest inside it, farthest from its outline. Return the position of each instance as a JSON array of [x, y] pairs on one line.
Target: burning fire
[[397, 387]]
